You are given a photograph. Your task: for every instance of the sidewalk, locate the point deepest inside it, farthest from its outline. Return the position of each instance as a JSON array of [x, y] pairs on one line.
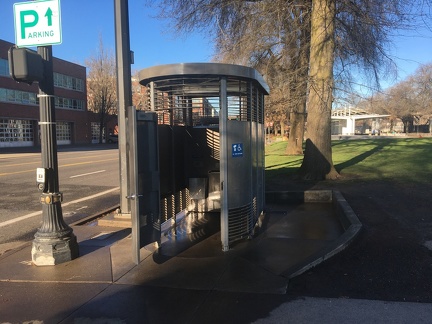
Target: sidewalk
[[200, 284]]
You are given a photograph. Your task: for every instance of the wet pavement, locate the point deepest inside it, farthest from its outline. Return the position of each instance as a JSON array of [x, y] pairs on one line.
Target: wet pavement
[[190, 280]]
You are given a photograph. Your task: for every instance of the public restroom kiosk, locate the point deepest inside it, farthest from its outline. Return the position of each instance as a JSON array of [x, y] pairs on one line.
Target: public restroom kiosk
[[201, 146]]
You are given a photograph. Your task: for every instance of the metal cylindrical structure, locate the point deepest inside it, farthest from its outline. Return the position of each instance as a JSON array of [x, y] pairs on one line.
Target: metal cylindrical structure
[[211, 123]]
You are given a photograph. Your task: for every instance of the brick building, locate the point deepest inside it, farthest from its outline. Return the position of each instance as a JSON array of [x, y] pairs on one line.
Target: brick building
[[19, 106]]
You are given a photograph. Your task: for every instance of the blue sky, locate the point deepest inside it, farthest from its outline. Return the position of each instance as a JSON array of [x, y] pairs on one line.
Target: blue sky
[[84, 20], [152, 42]]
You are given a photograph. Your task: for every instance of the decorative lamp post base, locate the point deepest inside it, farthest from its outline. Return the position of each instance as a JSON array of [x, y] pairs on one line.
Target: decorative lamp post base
[[53, 251]]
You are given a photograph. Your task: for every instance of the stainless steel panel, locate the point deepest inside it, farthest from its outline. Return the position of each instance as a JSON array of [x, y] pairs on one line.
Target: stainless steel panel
[[239, 180]]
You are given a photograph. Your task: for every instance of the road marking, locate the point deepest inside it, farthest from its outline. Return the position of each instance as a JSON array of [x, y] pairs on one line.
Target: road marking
[[86, 162], [15, 220], [18, 155], [85, 174], [60, 166], [38, 161]]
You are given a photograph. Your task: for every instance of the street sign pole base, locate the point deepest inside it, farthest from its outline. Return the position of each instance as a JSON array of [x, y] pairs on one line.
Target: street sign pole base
[[53, 251]]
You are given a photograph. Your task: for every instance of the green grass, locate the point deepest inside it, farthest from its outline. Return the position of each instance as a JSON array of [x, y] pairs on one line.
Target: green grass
[[407, 159]]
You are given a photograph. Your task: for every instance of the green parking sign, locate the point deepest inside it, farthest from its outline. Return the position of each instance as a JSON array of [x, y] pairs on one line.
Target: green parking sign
[[37, 23]]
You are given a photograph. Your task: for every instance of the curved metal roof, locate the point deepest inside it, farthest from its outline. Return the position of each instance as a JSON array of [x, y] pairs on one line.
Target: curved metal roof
[[195, 70]]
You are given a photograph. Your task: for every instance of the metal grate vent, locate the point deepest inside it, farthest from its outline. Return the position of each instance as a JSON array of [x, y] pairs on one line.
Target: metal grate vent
[[240, 222]]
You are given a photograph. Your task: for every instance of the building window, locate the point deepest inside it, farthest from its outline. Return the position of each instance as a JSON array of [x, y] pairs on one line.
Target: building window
[[16, 130], [23, 97], [4, 67], [30, 98], [66, 103], [2, 94], [63, 130], [68, 82], [95, 132]]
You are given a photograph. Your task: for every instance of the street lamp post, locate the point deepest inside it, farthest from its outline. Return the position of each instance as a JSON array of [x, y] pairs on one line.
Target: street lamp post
[[54, 241]]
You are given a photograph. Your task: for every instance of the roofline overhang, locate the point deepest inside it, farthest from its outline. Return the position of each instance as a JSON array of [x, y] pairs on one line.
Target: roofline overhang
[[159, 72]]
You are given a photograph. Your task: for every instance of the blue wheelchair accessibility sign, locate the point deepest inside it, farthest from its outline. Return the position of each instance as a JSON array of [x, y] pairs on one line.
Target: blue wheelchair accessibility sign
[[237, 150]]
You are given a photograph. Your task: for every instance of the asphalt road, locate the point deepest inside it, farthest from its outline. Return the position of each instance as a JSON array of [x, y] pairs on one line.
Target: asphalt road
[[89, 181]]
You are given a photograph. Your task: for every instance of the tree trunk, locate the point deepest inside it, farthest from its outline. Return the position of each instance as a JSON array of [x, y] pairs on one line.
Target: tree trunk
[[282, 128], [296, 133], [317, 162], [300, 86], [101, 124]]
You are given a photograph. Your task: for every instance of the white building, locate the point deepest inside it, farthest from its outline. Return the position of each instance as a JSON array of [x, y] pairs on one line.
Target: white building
[[344, 120]]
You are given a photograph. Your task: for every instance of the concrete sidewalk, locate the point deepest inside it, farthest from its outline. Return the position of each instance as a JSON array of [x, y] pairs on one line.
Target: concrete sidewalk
[[197, 283]]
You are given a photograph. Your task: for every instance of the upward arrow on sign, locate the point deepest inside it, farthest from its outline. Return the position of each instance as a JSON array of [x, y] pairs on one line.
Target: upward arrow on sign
[[49, 14]]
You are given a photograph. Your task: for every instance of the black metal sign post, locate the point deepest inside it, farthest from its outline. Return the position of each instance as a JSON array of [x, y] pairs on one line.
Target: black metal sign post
[[54, 241]]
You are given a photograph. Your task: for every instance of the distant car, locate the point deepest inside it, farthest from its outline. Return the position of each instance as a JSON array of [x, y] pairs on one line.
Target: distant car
[[112, 138]]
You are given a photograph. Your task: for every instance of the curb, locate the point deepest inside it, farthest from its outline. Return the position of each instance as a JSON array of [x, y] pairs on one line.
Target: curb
[[348, 219], [95, 216]]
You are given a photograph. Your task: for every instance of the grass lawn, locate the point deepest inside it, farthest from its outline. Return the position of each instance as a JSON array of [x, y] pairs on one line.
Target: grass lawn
[[401, 159]]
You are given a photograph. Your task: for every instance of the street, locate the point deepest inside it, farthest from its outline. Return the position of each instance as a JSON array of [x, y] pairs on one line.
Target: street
[[89, 181]]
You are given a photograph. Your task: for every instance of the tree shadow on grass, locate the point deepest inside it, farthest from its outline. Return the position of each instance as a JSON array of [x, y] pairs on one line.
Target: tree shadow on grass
[[283, 165], [361, 157], [285, 175]]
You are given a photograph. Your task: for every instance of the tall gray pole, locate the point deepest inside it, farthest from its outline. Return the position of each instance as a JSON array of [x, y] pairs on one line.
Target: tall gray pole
[[124, 94], [223, 117], [54, 241]]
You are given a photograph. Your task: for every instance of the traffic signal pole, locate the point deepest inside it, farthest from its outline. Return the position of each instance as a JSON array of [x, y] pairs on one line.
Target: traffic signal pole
[[54, 241]]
